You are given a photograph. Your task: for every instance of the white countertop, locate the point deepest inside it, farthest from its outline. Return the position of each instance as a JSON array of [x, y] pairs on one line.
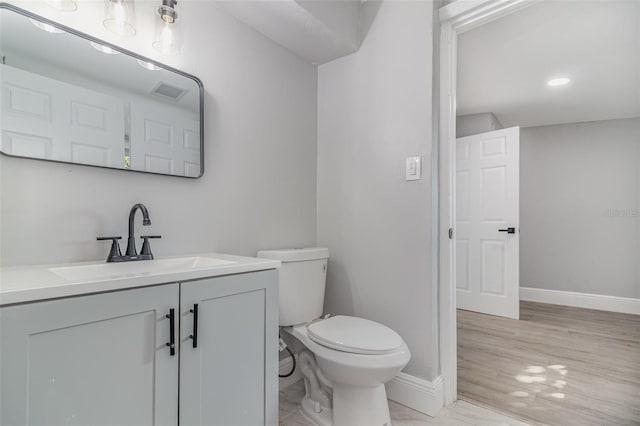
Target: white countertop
[[20, 284]]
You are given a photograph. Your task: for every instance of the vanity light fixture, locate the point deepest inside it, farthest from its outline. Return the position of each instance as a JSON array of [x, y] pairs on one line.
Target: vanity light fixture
[[103, 49], [63, 5], [167, 36], [561, 81], [148, 65], [119, 17], [46, 27]]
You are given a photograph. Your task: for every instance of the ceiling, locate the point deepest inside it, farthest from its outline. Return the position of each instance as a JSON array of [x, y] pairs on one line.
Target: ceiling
[[503, 66], [317, 31]]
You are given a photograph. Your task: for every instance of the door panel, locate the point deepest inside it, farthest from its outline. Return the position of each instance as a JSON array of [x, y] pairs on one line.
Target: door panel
[[493, 266], [492, 147], [462, 196], [487, 199], [462, 260], [90, 360], [26, 145], [493, 194]]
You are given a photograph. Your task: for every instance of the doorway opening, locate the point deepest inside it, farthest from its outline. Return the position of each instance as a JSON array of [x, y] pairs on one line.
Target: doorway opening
[[545, 283]]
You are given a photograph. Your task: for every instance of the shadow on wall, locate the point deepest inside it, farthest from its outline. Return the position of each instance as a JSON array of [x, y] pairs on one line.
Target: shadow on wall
[[212, 124], [368, 12], [338, 293]]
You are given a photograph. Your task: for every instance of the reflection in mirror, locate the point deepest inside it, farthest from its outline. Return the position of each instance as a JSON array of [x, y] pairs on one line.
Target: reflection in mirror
[[71, 98]]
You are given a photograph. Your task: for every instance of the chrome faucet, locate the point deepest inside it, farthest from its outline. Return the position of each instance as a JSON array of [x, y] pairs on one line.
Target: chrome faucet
[[145, 253]]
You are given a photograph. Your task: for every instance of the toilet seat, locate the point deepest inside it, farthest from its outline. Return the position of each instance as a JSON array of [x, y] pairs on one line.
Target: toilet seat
[[347, 359], [354, 335]]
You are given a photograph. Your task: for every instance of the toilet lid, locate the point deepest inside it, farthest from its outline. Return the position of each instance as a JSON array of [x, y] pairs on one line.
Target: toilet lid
[[354, 335]]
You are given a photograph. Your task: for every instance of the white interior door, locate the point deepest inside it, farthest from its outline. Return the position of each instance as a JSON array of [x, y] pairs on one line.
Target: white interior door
[[487, 223], [50, 119], [164, 139]]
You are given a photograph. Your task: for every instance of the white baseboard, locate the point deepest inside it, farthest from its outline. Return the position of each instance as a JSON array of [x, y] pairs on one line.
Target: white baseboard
[[285, 367], [600, 302], [416, 393]]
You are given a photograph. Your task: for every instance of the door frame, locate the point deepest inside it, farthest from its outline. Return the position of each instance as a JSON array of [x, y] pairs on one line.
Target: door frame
[[455, 18]]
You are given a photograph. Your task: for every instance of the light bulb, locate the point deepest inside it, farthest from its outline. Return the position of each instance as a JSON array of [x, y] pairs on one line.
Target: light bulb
[[167, 32], [120, 17], [558, 81], [166, 38], [63, 5], [118, 12]]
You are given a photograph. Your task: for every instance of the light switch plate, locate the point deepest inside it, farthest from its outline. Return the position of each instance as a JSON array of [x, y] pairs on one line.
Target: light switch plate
[[414, 168]]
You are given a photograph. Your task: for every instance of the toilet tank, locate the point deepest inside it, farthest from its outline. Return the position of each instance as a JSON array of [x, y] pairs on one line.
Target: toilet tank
[[302, 281]]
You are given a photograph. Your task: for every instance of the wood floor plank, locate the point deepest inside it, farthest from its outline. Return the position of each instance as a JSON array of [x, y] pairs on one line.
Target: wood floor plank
[[556, 366]]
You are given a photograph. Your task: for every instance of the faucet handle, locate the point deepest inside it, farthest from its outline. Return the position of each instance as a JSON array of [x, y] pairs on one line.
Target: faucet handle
[[146, 247], [114, 253]]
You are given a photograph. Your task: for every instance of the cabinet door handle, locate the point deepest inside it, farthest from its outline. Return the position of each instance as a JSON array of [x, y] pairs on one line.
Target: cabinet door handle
[[194, 336], [172, 331]]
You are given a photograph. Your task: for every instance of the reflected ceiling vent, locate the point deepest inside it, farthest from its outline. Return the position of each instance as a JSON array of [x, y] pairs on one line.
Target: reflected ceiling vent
[[169, 92]]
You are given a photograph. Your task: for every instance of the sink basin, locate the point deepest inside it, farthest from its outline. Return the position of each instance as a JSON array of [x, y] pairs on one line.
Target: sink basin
[[137, 268]]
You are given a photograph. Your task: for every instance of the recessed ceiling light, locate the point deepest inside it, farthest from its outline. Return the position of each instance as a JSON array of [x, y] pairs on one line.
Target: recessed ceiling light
[[148, 65], [558, 81], [103, 49], [46, 27]]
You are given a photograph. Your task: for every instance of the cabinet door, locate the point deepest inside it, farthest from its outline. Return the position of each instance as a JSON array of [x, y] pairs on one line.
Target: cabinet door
[[90, 360], [231, 377]]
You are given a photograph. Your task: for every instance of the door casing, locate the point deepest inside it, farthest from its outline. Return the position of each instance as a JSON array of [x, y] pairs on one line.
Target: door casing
[[455, 18]]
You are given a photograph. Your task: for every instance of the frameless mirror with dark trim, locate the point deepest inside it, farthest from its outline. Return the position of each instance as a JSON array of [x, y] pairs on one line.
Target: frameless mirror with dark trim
[[71, 98]]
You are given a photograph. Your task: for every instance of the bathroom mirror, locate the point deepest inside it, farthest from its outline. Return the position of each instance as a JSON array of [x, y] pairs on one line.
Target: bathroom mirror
[[69, 97]]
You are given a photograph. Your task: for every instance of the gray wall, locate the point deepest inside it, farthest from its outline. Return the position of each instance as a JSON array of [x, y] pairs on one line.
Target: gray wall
[[259, 187], [374, 110], [473, 124], [580, 207]]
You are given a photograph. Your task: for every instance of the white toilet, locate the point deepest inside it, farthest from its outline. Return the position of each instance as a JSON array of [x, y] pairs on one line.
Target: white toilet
[[345, 360]]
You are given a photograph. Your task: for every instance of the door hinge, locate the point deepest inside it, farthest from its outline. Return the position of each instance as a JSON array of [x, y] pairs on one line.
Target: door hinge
[[450, 233]]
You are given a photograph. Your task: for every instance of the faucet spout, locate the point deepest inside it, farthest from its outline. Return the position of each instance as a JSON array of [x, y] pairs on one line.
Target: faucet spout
[[131, 241]]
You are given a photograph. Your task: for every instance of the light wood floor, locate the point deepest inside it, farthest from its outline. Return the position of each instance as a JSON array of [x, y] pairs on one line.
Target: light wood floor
[[556, 366], [459, 414]]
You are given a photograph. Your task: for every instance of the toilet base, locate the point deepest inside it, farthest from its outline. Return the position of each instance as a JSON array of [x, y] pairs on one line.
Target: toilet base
[[353, 406], [308, 409], [360, 406]]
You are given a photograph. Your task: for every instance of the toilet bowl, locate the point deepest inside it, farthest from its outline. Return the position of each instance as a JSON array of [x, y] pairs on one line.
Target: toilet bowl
[[354, 369], [345, 360]]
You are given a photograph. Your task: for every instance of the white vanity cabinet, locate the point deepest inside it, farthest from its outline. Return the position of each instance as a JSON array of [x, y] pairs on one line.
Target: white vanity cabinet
[[103, 359]]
